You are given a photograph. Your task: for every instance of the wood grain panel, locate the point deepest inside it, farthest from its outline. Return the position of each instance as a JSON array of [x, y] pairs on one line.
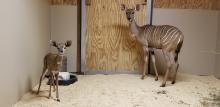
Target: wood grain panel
[[187, 4], [181, 4], [216, 4], [63, 2], [109, 46]]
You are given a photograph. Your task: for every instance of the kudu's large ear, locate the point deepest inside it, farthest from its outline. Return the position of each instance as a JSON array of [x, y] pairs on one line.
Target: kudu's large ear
[[137, 7], [53, 43], [123, 7], [68, 43]]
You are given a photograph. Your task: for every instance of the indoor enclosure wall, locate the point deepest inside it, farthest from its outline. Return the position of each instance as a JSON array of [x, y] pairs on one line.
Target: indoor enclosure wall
[[64, 27], [25, 31], [197, 19], [200, 33], [217, 72], [24, 40]]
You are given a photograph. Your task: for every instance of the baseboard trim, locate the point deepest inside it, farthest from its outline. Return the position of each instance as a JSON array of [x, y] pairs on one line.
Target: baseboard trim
[[106, 72]]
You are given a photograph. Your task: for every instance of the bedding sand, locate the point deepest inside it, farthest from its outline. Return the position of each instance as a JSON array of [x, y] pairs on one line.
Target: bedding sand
[[126, 90]]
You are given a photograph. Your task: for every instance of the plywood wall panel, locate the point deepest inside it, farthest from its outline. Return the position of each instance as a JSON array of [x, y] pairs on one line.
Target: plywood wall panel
[[109, 45], [187, 4], [180, 4], [63, 2], [216, 4]]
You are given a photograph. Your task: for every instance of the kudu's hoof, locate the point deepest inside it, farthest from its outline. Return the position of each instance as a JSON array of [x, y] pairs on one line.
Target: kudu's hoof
[[58, 100], [173, 82], [156, 79], [49, 97], [142, 77], [163, 85]]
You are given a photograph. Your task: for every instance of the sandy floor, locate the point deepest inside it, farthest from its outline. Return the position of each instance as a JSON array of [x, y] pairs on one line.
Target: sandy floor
[[130, 91]]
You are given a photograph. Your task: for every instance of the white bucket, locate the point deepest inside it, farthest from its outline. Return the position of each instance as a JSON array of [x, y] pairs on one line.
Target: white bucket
[[64, 76]]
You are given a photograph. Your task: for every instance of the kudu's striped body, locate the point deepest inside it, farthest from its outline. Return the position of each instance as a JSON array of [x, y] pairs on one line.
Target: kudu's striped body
[[165, 37]]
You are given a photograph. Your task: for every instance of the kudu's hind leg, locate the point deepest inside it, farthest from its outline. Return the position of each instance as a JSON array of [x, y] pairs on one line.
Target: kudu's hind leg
[[51, 82], [41, 78], [176, 69], [170, 62], [154, 65], [175, 73]]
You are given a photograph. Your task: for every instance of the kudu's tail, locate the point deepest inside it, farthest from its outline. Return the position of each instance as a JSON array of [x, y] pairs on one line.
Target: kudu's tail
[[179, 46]]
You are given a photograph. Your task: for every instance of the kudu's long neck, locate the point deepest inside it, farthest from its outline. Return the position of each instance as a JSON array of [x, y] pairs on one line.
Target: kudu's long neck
[[135, 29]]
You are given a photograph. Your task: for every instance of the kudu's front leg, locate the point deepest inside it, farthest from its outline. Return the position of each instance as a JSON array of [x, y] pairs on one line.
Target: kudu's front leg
[[41, 78], [154, 64], [50, 82], [57, 92], [53, 83], [144, 72], [146, 52]]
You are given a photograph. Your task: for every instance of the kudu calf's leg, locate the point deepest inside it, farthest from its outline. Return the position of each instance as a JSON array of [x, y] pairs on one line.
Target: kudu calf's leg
[[51, 80], [41, 78], [57, 92]]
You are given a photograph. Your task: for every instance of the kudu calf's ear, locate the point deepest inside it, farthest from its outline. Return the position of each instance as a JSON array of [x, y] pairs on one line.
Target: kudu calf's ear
[[123, 7], [53, 43], [68, 43], [137, 7]]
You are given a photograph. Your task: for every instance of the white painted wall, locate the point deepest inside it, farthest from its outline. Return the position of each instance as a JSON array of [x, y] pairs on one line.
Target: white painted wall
[[200, 30], [217, 72], [24, 35], [64, 27]]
